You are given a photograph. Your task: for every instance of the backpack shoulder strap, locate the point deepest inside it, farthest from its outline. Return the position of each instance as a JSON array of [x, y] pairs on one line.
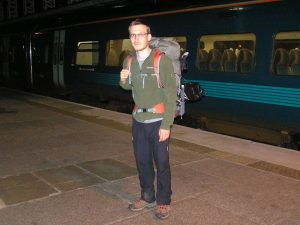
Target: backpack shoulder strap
[[157, 56], [129, 62]]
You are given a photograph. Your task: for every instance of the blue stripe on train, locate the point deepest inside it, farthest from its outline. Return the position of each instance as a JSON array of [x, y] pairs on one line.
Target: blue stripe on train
[[253, 93], [107, 78], [243, 92]]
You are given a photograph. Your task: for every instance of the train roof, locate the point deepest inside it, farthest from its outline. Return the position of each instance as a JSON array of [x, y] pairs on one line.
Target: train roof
[[108, 10]]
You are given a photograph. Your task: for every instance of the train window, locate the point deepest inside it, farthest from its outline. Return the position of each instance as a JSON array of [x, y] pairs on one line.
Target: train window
[[87, 53], [232, 53], [116, 51], [182, 42], [286, 53]]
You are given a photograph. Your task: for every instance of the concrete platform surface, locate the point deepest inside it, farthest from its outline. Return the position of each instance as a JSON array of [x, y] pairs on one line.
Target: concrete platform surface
[[63, 163]]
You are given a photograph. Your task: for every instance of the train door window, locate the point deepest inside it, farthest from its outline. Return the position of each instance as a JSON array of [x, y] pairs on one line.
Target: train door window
[[12, 54], [116, 51], [232, 53], [41, 53], [286, 54], [87, 53]]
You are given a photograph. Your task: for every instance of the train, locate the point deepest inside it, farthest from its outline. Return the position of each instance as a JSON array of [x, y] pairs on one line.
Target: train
[[244, 54]]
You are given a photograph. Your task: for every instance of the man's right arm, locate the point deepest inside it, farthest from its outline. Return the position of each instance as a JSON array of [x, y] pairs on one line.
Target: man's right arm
[[124, 77]]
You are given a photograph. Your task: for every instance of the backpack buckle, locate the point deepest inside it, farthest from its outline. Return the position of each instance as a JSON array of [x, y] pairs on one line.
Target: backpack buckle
[[158, 108]]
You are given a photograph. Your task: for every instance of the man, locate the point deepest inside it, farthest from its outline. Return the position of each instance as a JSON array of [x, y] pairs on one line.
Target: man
[[153, 117]]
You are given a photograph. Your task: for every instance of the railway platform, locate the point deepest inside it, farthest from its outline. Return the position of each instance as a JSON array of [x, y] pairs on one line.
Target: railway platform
[[63, 163]]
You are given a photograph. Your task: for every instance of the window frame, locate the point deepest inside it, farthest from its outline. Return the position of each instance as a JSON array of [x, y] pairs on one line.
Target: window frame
[[88, 50], [230, 53], [285, 59]]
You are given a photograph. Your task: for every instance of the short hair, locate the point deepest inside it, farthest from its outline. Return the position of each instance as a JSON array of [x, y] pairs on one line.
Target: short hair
[[139, 21]]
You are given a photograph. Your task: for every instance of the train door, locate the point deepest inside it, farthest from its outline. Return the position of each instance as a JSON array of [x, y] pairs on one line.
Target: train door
[[41, 50], [58, 58], [13, 62], [4, 73]]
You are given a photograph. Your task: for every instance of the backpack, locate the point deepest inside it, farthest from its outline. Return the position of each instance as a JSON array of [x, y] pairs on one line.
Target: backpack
[[170, 47]]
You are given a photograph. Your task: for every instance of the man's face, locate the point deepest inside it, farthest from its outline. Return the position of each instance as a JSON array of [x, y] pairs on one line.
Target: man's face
[[139, 37]]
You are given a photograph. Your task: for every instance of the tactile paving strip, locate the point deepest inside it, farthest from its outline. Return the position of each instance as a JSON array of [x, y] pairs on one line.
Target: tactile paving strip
[[104, 122], [231, 157], [282, 170], [191, 146]]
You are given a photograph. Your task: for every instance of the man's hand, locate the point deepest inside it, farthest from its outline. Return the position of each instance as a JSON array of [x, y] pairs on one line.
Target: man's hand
[[163, 134], [124, 74]]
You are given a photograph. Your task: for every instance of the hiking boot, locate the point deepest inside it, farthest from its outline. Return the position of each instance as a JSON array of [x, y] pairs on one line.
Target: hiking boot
[[162, 212], [140, 204]]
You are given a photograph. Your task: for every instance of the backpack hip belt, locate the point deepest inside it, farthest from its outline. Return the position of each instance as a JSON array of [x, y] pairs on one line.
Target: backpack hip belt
[[158, 108]]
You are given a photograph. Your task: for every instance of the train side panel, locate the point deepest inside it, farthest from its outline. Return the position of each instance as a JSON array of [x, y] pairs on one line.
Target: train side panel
[[244, 55]]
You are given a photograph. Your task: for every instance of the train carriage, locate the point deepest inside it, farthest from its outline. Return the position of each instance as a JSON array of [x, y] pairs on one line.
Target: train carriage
[[244, 54]]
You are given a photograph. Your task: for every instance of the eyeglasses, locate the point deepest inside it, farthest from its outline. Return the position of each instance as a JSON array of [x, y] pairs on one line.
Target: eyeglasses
[[134, 36]]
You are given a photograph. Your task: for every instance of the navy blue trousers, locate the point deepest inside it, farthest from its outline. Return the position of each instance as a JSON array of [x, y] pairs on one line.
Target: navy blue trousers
[[147, 149]]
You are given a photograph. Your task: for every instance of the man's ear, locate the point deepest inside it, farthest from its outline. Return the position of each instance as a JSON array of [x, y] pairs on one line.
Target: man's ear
[[149, 37]]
